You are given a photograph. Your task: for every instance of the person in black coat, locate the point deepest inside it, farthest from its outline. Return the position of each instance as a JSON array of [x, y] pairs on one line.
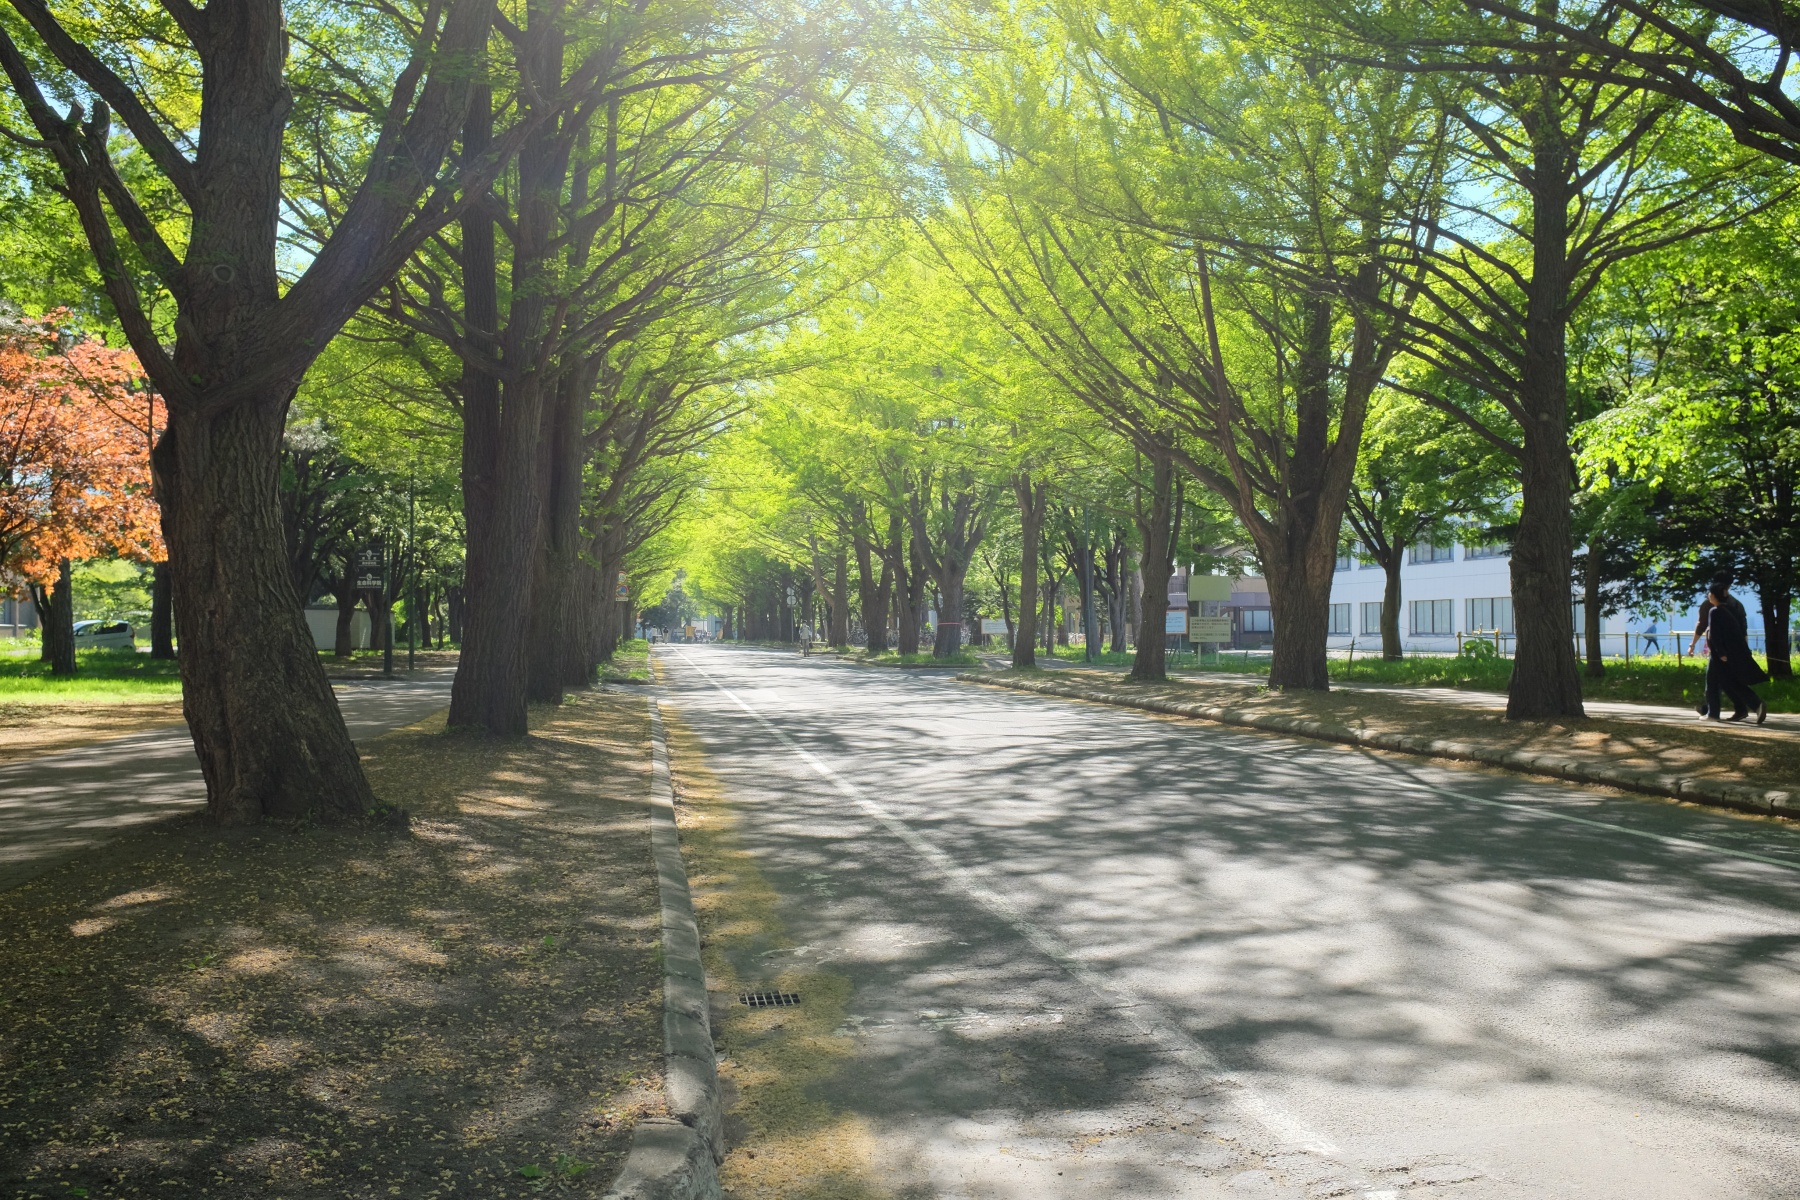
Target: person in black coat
[[1731, 668]]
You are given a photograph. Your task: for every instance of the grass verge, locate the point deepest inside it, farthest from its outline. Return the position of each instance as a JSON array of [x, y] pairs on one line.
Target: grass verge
[[469, 1007], [893, 658], [1644, 681], [786, 1143], [1767, 758], [630, 663], [101, 677]]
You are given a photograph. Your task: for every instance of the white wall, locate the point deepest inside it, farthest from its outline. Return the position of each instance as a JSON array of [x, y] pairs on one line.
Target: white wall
[[1462, 579], [323, 623]]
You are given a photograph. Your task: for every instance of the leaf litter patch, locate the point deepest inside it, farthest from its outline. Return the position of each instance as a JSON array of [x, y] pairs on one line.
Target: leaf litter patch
[[470, 1007]]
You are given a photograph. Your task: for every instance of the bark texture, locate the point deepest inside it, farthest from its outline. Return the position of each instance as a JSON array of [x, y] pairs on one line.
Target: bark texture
[[1033, 497], [56, 620], [1158, 524], [162, 613]]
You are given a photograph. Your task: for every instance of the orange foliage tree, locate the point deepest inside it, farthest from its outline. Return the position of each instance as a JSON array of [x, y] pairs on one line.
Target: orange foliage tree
[[76, 426]]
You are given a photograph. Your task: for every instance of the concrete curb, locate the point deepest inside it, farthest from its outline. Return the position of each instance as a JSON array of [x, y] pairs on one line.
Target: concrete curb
[[1782, 802], [677, 1158]]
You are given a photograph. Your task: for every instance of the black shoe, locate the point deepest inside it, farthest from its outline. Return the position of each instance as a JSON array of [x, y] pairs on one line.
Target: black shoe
[[1739, 715], [1762, 711]]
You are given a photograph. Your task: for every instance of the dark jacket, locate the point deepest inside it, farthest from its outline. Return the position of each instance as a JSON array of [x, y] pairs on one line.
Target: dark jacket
[[1729, 638]]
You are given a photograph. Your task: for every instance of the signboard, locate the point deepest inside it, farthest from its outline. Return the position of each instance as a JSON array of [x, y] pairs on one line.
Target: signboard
[[371, 569], [1209, 587], [1176, 620], [1209, 629], [993, 625], [622, 587]]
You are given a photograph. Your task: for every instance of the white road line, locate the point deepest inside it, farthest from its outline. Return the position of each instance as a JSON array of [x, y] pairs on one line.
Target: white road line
[[1145, 1016]]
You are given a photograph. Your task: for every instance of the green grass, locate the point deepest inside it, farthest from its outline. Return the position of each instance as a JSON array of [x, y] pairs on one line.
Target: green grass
[[630, 663], [1646, 681], [893, 658], [100, 675]]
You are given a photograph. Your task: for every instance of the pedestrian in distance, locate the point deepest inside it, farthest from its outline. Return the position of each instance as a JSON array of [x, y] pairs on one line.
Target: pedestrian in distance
[[1730, 667], [1650, 642]]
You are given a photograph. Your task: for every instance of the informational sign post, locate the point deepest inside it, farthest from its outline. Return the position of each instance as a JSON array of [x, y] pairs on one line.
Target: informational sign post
[[371, 569], [1176, 621], [1209, 629]]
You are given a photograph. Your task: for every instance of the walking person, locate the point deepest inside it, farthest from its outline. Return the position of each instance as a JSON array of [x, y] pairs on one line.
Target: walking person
[[1650, 642], [1730, 667]]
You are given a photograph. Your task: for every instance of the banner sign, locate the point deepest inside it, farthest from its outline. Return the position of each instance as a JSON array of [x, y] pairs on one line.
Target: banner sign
[[622, 588]]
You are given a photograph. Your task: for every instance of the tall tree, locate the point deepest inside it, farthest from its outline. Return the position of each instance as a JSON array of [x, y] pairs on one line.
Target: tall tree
[[211, 154]]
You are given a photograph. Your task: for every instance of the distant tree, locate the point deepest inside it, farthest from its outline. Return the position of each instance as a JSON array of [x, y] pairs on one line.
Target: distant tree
[[1422, 477], [1712, 425], [74, 467]]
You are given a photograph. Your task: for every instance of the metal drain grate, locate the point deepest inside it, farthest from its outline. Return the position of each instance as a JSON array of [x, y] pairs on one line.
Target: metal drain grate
[[770, 999]]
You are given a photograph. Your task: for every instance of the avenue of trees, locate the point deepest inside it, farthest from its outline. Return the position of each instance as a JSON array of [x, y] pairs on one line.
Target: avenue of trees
[[857, 313]]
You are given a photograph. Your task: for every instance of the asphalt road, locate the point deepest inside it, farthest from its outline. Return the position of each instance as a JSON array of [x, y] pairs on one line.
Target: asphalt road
[[1096, 953], [61, 804]]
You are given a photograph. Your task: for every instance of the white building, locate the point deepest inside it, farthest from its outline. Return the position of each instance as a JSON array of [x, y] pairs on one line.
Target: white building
[[1447, 591]]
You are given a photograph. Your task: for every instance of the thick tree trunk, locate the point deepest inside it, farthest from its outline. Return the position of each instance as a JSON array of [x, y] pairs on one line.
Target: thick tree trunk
[[948, 636], [1545, 680], [909, 587], [1391, 601], [344, 642], [501, 489], [1590, 614], [162, 612], [1777, 604], [840, 596], [381, 611], [453, 612], [873, 589], [557, 656], [1033, 498], [1300, 570], [266, 726], [1156, 528], [56, 620]]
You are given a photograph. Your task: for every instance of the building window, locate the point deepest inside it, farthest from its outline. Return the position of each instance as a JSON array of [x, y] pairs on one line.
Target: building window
[[1343, 562], [1256, 620], [1487, 550], [1371, 616], [1340, 619], [1426, 552], [1431, 618], [1491, 614]]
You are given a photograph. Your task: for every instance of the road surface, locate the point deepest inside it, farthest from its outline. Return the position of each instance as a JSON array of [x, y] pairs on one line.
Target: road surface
[[1096, 953], [61, 804]]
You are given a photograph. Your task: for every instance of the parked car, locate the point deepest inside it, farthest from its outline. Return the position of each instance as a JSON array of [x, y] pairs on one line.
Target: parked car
[[104, 635]]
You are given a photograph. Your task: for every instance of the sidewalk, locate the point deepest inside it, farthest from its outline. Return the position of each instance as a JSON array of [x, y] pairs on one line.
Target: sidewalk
[[60, 804], [1617, 710], [1642, 748]]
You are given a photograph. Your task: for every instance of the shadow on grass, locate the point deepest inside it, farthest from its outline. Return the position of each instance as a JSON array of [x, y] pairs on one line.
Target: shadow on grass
[[348, 1013]]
